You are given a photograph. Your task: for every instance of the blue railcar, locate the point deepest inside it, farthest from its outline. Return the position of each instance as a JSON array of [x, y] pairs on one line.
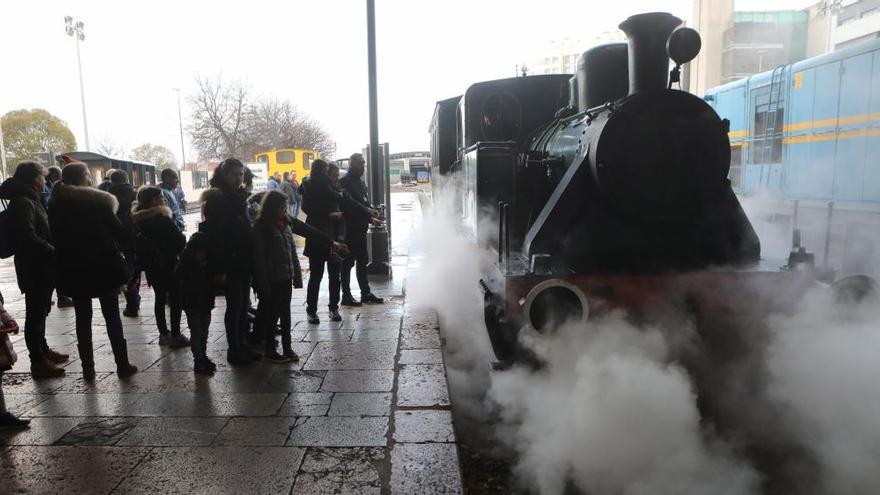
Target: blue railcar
[[809, 135]]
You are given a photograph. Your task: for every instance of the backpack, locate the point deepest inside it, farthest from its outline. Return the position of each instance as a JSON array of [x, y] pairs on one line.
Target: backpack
[[6, 248], [147, 253]]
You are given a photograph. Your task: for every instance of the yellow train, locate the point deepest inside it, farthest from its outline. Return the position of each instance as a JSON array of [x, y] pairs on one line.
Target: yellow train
[[288, 160]]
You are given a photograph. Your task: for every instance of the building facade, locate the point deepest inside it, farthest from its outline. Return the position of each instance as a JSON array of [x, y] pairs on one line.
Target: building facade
[[560, 57], [756, 42]]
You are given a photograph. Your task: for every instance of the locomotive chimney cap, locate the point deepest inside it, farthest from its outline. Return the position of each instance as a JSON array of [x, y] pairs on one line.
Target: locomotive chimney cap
[[684, 45]]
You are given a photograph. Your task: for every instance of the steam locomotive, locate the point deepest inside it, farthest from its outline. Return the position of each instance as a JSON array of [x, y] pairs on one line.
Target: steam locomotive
[[607, 190]]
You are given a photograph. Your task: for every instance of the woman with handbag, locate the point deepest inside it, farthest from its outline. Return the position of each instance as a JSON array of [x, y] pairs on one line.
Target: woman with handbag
[[7, 359], [87, 236]]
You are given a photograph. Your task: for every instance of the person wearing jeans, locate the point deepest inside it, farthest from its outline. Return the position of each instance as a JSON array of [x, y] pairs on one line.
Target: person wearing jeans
[[87, 234], [34, 258]]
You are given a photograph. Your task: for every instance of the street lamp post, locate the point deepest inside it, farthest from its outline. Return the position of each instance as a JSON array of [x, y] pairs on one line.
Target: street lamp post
[[379, 238], [77, 31], [180, 122]]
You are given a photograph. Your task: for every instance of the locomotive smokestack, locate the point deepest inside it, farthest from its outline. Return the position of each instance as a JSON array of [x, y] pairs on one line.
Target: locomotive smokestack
[[647, 35]]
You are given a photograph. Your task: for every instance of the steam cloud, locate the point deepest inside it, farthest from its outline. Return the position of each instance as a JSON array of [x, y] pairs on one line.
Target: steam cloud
[[615, 413]]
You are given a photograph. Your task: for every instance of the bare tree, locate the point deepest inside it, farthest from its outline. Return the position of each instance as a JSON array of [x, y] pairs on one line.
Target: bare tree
[[108, 147], [219, 117], [228, 121], [280, 124]]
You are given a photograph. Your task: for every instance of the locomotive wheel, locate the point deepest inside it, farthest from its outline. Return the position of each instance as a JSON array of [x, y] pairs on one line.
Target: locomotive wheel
[[854, 289]]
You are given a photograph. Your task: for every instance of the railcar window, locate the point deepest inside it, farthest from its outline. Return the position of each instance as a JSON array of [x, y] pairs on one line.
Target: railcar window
[[766, 141], [263, 158], [308, 158], [285, 157], [501, 115]]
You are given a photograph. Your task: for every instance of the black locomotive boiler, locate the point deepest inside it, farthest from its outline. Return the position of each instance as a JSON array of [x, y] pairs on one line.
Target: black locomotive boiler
[[606, 189]]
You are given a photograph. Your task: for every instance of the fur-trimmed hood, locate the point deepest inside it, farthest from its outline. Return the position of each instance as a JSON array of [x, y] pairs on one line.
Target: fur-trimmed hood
[[138, 216], [62, 192]]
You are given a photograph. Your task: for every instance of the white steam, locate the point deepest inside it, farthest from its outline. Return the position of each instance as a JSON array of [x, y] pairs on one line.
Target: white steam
[[825, 367], [612, 416], [448, 282]]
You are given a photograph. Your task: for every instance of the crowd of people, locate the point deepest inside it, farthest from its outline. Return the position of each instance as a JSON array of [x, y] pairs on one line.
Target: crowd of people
[[83, 242]]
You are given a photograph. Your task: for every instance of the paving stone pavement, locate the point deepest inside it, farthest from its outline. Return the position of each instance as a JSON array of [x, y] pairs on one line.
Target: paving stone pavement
[[365, 410]]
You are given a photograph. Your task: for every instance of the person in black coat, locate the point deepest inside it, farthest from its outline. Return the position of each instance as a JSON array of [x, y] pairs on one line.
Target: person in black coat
[[90, 264], [234, 227], [321, 204], [159, 244], [358, 217], [277, 269], [34, 259], [125, 195], [202, 276]]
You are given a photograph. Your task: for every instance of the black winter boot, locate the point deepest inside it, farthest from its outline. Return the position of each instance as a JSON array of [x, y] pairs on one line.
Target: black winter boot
[[120, 354], [87, 358]]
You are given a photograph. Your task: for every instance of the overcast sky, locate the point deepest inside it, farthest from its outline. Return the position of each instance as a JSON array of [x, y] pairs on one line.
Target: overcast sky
[[310, 52]]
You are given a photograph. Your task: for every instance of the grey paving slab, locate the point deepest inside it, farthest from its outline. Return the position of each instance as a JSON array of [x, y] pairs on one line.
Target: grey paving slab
[[85, 405], [421, 356], [417, 426], [336, 335], [360, 404], [352, 356], [368, 334], [340, 431], [340, 471], [22, 383], [422, 385], [207, 404], [79, 470], [306, 404], [323, 325], [425, 469], [215, 470], [98, 431], [419, 339], [42, 431], [294, 381], [256, 431], [173, 432], [358, 381]]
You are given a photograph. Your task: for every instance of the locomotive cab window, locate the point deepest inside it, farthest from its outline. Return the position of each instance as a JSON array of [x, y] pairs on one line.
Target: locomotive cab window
[[501, 117], [308, 158], [263, 158], [285, 157]]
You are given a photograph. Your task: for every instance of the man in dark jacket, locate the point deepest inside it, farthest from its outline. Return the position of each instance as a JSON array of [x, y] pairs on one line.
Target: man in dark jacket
[[34, 259], [125, 195], [358, 216]]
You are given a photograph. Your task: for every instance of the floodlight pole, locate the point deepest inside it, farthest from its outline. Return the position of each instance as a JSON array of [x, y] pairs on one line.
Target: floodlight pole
[[77, 31], [2, 156], [180, 122]]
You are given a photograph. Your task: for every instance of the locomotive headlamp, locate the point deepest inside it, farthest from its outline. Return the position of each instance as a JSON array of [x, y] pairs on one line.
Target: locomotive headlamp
[[554, 302], [683, 45]]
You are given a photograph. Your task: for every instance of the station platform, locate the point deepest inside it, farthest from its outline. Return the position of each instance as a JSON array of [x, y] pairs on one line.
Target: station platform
[[365, 410]]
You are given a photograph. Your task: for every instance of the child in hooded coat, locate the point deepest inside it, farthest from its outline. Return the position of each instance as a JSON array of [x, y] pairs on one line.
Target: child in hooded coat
[[158, 247]]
